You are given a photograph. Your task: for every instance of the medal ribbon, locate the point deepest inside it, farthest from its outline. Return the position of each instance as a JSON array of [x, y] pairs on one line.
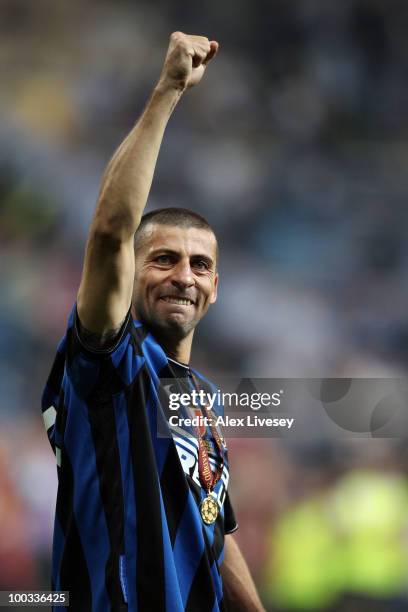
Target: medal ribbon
[[207, 477]]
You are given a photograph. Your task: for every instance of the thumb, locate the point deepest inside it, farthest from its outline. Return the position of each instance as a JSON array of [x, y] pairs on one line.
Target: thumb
[[213, 51]]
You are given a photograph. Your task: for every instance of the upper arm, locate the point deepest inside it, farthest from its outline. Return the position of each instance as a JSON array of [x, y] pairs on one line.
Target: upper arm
[[106, 287], [230, 547], [240, 592]]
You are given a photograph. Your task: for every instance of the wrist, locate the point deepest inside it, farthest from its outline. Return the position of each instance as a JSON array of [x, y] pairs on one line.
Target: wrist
[[164, 98], [170, 88]]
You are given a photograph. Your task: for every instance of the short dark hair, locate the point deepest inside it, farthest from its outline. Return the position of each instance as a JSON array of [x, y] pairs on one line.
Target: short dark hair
[[181, 217]]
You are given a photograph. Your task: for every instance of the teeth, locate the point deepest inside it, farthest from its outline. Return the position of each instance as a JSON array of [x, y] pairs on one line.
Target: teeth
[[180, 301]]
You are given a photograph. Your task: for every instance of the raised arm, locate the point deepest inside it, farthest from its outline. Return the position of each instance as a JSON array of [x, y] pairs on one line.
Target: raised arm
[[105, 291]]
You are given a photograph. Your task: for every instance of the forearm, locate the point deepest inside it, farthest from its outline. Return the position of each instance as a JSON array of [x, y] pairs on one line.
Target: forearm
[[128, 176], [240, 594]]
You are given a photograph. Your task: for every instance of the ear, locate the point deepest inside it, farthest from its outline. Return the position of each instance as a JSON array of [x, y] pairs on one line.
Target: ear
[[215, 289]]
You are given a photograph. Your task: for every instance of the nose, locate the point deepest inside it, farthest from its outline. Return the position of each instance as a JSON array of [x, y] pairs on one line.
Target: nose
[[182, 275]]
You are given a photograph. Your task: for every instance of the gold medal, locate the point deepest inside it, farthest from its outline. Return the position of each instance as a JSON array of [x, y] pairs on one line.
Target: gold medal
[[209, 510]]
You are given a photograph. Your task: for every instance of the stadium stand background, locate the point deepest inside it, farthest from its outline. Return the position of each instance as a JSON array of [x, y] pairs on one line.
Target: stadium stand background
[[295, 147]]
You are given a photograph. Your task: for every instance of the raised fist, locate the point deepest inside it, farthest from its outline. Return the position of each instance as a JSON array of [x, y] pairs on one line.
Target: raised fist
[[186, 60]]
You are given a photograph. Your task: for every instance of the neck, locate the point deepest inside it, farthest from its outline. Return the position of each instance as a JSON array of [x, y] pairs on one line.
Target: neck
[[178, 349]]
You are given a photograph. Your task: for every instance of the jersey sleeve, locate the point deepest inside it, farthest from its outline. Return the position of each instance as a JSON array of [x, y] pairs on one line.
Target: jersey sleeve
[[51, 394], [82, 366], [97, 344], [230, 522], [89, 366]]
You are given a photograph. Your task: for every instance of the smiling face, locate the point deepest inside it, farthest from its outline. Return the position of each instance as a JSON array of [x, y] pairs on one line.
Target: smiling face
[[175, 278]]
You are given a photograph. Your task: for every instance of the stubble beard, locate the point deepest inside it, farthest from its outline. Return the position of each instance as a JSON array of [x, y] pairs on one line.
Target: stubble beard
[[166, 329]]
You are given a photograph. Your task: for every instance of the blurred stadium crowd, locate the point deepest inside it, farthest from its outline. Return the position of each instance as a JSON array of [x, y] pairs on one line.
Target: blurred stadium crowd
[[295, 148]]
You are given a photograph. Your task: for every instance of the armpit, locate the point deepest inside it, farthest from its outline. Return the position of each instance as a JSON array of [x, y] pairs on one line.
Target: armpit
[[98, 342]]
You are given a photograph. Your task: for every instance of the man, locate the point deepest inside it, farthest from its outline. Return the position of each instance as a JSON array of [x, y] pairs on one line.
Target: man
[[141, 517]]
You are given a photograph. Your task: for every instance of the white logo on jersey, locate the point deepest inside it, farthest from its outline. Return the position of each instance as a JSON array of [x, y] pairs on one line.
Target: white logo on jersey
[[187, 449]]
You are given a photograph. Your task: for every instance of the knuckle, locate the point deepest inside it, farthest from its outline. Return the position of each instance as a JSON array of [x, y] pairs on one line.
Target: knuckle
[[178, 39]]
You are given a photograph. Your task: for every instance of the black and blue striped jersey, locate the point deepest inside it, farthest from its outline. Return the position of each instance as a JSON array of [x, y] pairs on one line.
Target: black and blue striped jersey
[[128, 535]]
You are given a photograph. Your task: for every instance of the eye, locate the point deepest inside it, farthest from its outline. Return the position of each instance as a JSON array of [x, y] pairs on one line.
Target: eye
[[163, 260], [200, 264]]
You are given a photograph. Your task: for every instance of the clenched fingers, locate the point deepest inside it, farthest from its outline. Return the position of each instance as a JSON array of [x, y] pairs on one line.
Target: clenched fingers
[[200, 48]]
